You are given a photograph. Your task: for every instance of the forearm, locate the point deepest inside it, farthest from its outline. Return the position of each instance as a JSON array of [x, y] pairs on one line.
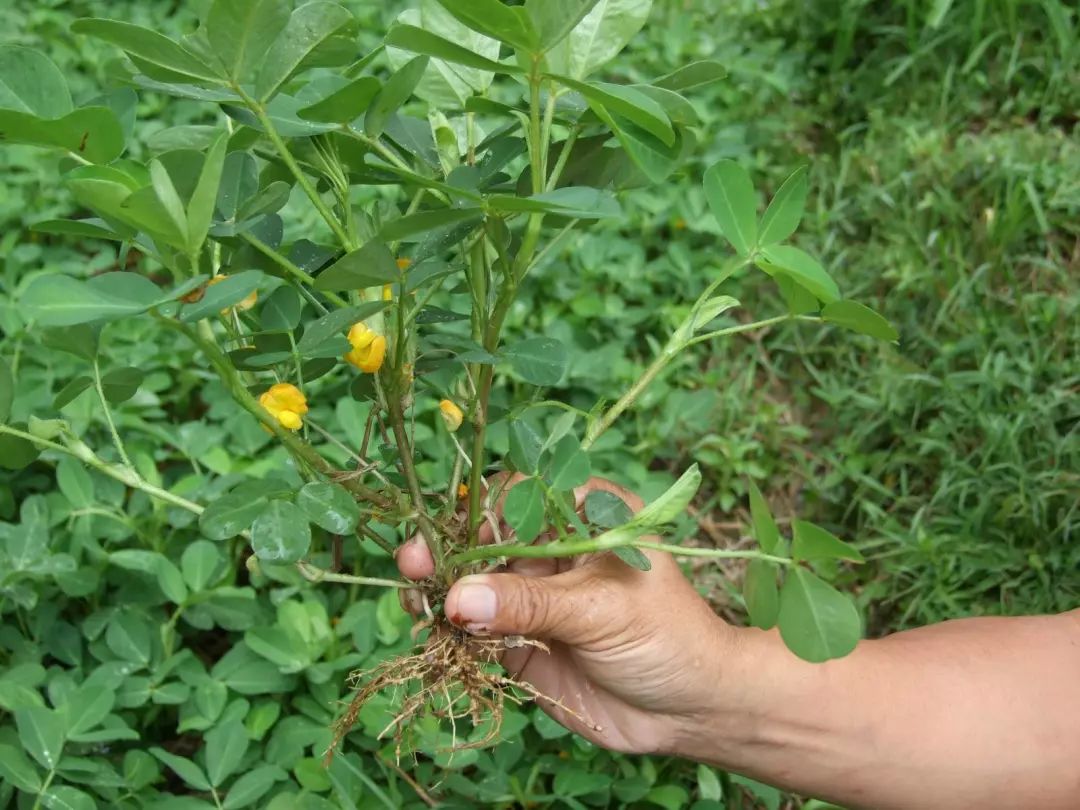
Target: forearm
[[968, 713]]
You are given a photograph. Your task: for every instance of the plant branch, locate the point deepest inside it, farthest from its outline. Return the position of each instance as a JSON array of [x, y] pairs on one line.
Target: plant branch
[[289, 267], [117, 441]]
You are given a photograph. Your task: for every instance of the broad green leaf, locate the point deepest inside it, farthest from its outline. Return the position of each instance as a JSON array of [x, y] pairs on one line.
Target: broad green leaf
[[17, 769], [424, 221], [731, 197], [494, 19], [555, 19], [41, 732], [309, 27], [709, 785], [803, 268], [344, 105], [7, 391], [230, 515], [812, 542], [329, 506], [540, 361], [859, 318], [393, 94], [84, 228], [59, 300], [239, 183], [200, 210], [598, 37], [282, 310], [30, 83], [761, 594], [420, 41], [184, 768], [570, 466], [336, 322], [252, 786], [765, 531], [817, 622], [627, 102], [606, 509], [672, 504], [652, 157], [242, 31], [65, 797], [75, 482], [229, 292], [92, 133], [701, 316], [369, 266], [128, 637], [121, 384], [634, 557], [577, 202], [16, 453], [677, 107], [226, 745], [696, 74], [281, 533], [201, 565], [786, 209], [148, 46], [87, 707], [169, 197], [526, 445], [799, 300], [524, 509]]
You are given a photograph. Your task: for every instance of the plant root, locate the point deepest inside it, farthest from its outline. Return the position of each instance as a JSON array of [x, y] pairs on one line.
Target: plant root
[[458, 678]]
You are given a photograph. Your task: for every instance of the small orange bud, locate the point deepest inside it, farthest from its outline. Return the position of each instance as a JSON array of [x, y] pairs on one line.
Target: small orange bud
[[404, 263], [451, 415], [462, 491]]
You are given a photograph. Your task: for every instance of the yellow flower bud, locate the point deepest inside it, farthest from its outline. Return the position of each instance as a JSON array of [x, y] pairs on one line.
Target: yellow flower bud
[[451, 415], [462, 491], [287, 404], [368, 348], [387, 292]]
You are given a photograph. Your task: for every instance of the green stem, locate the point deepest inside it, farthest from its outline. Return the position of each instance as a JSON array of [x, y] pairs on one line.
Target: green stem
[[117, 442], [564, 155], [313, 574], [431, 536], [289, 267]]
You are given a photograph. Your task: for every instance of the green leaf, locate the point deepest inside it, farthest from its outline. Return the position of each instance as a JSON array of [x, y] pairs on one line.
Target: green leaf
[[526, 446], [765, 531], [786, 209], [184, 768], [121, 384], [555, 19], [369, 266], [418, 40], [524, 509], [761, 594], [494, 19], [731, 197], [41, 732], [570, 466], [240, 33], [598, 37], [281, 533], [200, 210], [7, 391], [169, 198], [606, 509], [282, 310], [128, 637], [16, 453], [424, 221], [817, 622], [202, 565], [336, 322], [87, 707], [394, 93], [344, 105], [148, 45], [93, 133], [84, 228], [230, 515], [803, 268], [540, 361], [310, 26], [64, 797], [226, 745], [812, 542], [696, 74], [634, 557], [252, 786], [701, 316], [229, 292], [627, 102], [30, 83], [75, 482], [18, 770], [59, 300], [329, 506], [859, 318], [672, 504], [578, 202], [654, 159]]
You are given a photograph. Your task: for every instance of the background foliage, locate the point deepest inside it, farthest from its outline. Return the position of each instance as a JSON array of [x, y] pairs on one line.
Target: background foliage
[[945, 177]]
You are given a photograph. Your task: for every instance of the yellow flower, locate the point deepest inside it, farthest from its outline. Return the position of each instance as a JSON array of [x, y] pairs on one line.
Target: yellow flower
[[287, 404], [368, 348], [451, 415], [244, 305], [462, 491], [387, 292]]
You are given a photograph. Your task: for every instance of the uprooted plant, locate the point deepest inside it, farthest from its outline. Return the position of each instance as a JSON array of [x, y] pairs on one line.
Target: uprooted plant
[[439, 173]]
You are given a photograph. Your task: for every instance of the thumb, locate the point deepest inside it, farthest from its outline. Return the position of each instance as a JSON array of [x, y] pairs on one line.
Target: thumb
[[511, 604]]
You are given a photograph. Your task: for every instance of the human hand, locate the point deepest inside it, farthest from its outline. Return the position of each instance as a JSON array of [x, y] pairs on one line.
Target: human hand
[[633, 654]]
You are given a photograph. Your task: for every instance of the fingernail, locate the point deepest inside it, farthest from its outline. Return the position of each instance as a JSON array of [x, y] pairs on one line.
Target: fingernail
[[475, 605]]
